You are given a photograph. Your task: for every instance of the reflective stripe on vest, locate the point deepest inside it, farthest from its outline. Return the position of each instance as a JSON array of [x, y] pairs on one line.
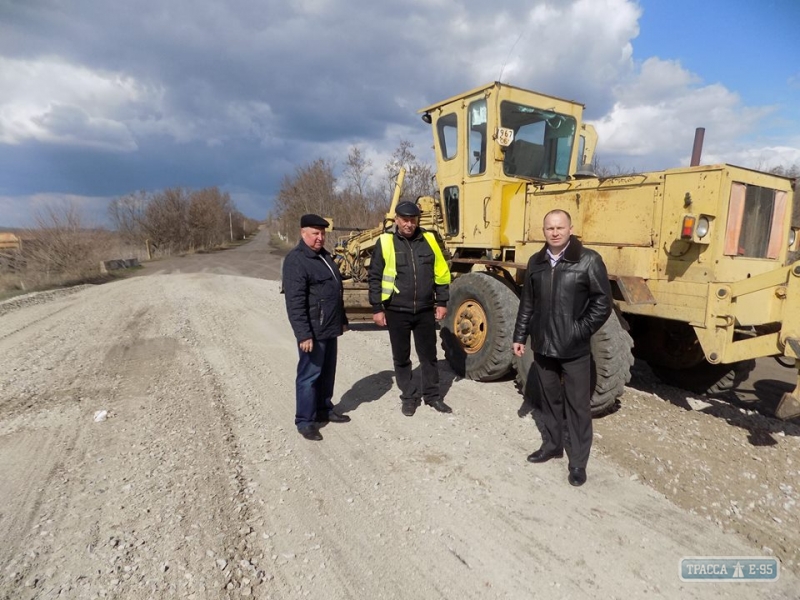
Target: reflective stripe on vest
[[441, 274]]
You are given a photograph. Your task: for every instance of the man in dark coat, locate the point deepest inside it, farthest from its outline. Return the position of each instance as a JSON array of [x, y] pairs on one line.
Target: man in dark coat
[[409, 286], [313, 289], [566, 298]]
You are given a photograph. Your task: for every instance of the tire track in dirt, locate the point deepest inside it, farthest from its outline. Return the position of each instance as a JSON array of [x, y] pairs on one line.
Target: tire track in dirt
[[197, 484]]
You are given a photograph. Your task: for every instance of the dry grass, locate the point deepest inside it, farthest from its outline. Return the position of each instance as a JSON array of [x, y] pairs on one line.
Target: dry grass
[[61, 252]]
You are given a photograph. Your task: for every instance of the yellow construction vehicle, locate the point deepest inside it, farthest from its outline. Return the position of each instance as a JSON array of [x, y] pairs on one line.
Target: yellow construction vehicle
[[702, 259]]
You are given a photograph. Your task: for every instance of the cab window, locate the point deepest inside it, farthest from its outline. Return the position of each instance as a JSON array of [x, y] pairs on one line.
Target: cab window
[[447, 132], [477, 137]]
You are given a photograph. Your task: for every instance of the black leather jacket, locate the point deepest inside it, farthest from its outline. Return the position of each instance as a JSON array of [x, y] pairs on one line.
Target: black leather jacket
[[314, 295], [419, 291], [563, 306]]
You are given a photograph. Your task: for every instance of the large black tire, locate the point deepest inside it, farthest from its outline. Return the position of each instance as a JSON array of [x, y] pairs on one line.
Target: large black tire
[[479, 328], [613, 358], [675, 355], [705, 378]]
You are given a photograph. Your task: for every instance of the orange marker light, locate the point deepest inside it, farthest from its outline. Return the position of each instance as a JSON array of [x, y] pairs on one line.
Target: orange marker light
[[688, 227]]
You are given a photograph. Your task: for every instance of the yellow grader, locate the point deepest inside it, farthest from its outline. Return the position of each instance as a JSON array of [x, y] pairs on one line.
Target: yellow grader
[[702, 260]]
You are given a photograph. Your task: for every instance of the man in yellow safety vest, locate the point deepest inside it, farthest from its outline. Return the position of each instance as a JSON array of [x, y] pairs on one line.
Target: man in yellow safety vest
[[409, 286]]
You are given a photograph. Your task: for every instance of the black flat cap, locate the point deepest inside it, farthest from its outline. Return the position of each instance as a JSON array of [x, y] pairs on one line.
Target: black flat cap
[[407, 209], [313, 221]]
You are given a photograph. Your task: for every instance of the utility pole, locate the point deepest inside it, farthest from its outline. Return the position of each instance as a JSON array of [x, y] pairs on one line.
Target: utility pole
[[230, 219]]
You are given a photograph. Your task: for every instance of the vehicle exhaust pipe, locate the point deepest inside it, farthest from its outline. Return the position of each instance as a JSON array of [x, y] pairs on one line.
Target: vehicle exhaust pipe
[[697, 148]]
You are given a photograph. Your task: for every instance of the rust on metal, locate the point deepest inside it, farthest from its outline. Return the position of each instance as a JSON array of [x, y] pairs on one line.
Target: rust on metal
[[634, 289], [697, 148], [491, 263]]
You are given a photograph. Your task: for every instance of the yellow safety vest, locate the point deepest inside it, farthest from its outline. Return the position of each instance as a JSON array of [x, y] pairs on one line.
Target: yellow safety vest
[[441, 274]]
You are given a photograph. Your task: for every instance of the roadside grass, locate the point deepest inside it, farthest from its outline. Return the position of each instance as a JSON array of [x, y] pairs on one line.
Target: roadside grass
[[279, 243], [64, 255], [35, 279], [227, 246], [12, 290]]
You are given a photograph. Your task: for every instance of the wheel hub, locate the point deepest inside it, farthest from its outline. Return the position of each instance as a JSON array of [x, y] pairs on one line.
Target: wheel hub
[[470, 326]]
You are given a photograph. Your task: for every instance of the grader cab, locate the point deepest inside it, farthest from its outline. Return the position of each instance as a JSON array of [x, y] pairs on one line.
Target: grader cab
[[701, 260]]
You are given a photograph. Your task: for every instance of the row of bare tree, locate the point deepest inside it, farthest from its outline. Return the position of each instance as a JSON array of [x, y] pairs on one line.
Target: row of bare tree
[[60, 250], [180, 220], [353, 200]]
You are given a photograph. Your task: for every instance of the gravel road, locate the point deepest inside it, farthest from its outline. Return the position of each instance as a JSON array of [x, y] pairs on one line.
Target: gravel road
[[147, 450]]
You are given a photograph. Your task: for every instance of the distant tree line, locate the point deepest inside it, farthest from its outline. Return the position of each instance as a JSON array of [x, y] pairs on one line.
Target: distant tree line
[[793, 171], [180, 220], [60, 250], [354, 199]]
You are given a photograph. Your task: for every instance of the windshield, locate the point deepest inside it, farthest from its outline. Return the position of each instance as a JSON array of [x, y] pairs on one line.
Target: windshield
[[541, 147]]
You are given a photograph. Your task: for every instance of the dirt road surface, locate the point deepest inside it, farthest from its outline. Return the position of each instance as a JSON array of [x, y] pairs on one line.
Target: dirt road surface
[[147, 450]]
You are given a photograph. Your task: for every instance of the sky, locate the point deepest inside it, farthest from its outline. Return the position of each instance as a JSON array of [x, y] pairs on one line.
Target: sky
[[99, 99]]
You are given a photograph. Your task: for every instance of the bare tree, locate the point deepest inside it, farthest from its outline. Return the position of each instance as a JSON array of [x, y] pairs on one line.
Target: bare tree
[[62, 249], [312, 189], [127, 215], [791, 171], [419, 179], [366, 204], [610, 170], [210, 218], [166, 220]]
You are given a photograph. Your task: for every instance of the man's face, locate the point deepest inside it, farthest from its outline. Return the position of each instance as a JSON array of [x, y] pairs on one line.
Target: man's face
[[314, 237], [557, 230], [406, 225]]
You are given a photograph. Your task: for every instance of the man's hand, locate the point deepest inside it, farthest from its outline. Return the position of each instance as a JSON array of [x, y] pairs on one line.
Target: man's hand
[[307, 345], [519, 349], [441, 312], [379, 318]]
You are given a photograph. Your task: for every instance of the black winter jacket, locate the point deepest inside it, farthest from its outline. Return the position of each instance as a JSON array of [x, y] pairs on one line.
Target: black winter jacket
[[415, 276], [563, 306], [312, 285]]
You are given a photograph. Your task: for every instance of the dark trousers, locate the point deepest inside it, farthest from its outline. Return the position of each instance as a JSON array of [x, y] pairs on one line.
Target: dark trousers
[[316, 372], [423, 325], [571, 400]]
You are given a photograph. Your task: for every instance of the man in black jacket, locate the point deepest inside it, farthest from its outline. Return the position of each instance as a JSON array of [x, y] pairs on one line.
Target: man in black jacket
[[314, 303], [566, 298], [409, 286]]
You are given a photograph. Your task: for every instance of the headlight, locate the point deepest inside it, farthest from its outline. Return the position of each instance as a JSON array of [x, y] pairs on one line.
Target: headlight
[[792, 237], [702, 227]]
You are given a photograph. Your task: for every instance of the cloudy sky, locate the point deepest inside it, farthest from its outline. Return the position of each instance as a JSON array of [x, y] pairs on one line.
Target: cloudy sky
[[100, 99]]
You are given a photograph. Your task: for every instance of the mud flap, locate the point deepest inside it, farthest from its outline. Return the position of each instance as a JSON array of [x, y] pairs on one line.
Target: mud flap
[[788, 407]]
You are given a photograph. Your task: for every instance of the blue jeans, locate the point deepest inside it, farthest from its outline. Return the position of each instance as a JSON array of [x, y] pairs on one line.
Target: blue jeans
[[316, 372]]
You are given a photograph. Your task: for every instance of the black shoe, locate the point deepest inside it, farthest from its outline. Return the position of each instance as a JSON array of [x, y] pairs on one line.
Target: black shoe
[[577, 476], [334, 417], [542, 455], [440, 406], [310, 433], [409, 407]]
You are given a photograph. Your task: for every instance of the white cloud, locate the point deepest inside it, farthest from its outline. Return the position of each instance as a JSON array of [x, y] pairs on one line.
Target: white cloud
[[50, 101], [762, 158], [656, 113], [239, 94]]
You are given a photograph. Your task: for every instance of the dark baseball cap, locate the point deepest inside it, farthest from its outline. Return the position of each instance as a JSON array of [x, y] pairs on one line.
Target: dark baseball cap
[[312, 220], [407, 209]]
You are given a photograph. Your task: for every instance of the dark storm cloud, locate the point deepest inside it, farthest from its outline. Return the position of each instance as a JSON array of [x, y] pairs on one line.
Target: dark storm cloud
[[102, 99]]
